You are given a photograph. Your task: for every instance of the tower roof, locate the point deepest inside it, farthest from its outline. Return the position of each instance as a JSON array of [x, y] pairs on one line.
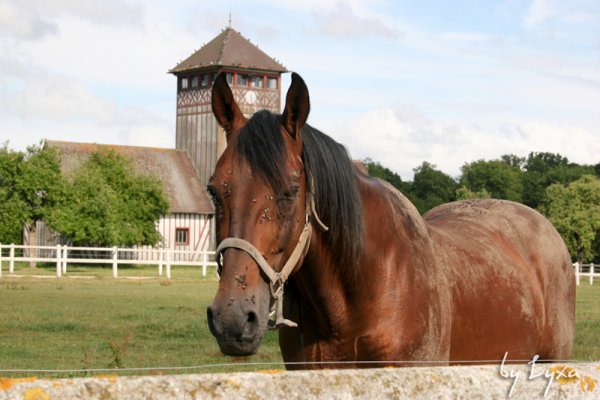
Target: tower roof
[[229, 49]]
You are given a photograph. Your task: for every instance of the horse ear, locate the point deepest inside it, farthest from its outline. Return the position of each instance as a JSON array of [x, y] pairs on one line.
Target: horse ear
[[224, 107], [297, 107]]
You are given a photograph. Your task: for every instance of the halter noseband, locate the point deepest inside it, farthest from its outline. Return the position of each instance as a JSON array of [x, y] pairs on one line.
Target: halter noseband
[[278, 279]]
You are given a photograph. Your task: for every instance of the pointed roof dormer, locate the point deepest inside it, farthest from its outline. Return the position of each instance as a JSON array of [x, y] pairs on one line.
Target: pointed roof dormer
[[229, 49]]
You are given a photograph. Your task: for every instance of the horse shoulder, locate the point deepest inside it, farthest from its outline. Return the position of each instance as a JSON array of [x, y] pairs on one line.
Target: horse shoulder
[[401, 249]]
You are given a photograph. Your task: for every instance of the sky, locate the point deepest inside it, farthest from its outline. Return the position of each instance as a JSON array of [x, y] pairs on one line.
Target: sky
[[398, 81]]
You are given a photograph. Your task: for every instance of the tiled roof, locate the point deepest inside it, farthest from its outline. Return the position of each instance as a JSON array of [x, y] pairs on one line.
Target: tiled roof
[[172, 167], [229, 49]]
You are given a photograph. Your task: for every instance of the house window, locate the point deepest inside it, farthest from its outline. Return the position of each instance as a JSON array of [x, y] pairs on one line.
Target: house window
[[184, 83], [205, 80], [272, 83], [229, 77], [194, 82], [182, 236]]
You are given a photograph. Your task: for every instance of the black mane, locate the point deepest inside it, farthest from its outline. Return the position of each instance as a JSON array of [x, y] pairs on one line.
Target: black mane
[[336, 193]]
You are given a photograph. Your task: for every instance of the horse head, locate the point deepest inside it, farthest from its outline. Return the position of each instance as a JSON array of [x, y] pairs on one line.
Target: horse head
[[262, 212]]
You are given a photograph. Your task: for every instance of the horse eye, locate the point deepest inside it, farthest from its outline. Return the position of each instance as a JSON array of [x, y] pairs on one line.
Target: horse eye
[[216, 199], [290, 194], [213, 197]]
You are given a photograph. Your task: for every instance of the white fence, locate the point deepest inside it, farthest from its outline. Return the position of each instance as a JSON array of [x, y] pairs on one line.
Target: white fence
[[586, 270], [63, 255], [163, 258]]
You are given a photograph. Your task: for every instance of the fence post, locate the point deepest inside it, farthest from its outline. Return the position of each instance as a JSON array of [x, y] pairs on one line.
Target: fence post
[[58, 261], [168, 263], [591, 273], [161, 257], [64, 258], [0, 259], [11, 259], [204, 262], [115, 257], [576, 265]]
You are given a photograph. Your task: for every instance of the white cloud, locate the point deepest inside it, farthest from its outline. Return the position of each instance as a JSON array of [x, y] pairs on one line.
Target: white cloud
[[97, 72], [19, 134], [568, 11], [539, 11], [342, 21], [309, 5], [402, 138], [55, 98], [35, 105], [467, 37], [23, 22], [32, 19], [148, 135], [114, 13]]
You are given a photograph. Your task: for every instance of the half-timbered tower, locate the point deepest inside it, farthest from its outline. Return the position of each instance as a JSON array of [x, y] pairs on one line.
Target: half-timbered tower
[[254, 77]]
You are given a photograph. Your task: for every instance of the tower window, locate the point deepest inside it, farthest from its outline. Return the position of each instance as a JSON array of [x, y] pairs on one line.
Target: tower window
[[229, 77], [242, 80], [257, 81], [194, 82], [182, 236], [272, 83], [184, 83]]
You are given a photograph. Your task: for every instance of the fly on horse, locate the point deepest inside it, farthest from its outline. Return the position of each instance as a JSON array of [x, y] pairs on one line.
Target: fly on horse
[[351, 273]]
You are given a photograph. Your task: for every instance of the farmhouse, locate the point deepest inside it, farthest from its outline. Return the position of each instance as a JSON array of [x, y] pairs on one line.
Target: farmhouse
[[187, 224]]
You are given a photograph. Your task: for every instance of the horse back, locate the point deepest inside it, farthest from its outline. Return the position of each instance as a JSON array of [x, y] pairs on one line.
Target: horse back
[[510, 280]]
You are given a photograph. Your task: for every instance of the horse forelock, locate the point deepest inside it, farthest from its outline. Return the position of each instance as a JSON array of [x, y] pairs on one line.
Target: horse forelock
[[260, 142], [327, 163]]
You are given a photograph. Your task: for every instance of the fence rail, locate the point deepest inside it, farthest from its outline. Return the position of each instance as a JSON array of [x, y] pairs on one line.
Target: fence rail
[[64, 255], [164, 258]]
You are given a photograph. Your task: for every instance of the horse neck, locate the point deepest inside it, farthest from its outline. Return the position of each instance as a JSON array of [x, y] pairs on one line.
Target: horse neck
[[323, 287], [330, 290]]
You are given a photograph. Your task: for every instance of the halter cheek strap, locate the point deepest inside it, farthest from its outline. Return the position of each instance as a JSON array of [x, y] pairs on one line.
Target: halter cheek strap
[[278, 279]]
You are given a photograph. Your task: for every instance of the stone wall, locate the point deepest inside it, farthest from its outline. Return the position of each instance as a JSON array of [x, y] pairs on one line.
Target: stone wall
[[485, 382]]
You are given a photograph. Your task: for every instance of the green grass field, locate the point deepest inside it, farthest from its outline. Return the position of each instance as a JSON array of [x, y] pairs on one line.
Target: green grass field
[[100, 322], [81, 323]]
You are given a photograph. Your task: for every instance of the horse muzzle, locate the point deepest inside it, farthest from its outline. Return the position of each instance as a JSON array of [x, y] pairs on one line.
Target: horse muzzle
[[238, 326]]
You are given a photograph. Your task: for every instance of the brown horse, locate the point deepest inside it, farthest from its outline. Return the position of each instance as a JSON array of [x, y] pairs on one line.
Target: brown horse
[[369, 278]]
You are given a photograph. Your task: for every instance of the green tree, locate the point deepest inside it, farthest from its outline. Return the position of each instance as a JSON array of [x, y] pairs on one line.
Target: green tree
[[463, 193], [575, 212], [375, 169], [596, 248], [107, 204], [543, 169], [432, 187], [499, 178], [12, 207], [513, 160], [30, 185]]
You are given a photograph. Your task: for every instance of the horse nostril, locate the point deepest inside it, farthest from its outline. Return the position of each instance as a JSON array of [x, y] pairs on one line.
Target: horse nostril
[[251, 326], [251, 317], [211, 322]]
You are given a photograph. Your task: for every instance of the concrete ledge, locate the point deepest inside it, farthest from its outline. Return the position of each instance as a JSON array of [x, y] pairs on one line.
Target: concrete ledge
[[564, 381]]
